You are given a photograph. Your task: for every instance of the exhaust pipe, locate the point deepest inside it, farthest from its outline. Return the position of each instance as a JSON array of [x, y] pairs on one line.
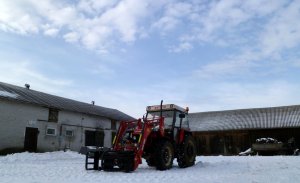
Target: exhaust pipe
[[161, 102]]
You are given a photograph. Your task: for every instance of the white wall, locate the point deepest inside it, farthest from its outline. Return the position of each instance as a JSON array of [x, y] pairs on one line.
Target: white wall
[[15, 117], [74, 121]]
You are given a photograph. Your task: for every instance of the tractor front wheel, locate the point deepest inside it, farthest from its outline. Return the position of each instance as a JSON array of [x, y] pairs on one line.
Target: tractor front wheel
[[151, 161], [187, 153], [164, 155]]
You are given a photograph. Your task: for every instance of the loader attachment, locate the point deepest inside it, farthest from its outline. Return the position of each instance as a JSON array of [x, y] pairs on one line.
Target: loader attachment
[[109, 160], [118, 161], [93, 157]]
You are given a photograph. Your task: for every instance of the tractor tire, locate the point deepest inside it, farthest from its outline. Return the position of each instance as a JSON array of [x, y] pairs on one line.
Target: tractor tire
[[151, 161], [187, 153], [129, 167], [164, 155], [107, 165]]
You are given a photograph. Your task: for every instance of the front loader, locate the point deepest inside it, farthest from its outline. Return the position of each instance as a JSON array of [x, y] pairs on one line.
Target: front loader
[[162, 135]]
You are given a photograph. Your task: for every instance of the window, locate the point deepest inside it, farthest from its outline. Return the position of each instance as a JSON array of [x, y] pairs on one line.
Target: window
[[177, 123], [184, 124], [53, 115], [69, 133], [167, 114], [51, 131]]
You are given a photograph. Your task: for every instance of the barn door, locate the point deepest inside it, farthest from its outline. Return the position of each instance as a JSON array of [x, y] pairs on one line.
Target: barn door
[[99, 141], [31, 138], [94, 138], [89, 138]]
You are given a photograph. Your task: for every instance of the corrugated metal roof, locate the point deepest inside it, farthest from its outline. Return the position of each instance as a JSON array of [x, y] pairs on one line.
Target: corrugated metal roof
[[243, 119], [24, 95]]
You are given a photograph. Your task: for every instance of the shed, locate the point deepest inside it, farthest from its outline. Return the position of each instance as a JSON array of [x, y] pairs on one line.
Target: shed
[[232, 131], [35, 121]]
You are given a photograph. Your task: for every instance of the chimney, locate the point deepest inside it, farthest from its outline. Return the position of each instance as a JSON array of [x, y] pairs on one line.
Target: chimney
[[93, 102], [27, 86]]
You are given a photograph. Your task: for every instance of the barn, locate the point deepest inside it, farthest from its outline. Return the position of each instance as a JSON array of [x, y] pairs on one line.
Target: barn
[[37, 122], [233, 131]]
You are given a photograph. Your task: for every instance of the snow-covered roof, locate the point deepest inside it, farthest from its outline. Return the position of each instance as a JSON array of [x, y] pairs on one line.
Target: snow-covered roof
[[246, 119], [24, 95]]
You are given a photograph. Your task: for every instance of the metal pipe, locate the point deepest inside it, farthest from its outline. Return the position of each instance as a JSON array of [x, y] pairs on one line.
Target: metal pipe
[[161, 102]]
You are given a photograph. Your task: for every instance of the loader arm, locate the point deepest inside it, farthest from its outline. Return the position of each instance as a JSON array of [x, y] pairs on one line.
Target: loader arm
[[149, 126]]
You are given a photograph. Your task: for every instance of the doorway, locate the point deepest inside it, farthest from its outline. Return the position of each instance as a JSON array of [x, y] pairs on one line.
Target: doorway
[[31, 138], [94, 138]]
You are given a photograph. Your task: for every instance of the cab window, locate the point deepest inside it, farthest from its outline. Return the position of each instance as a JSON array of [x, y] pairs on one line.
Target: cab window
[[168, 115], [184, 124], [177, 123]]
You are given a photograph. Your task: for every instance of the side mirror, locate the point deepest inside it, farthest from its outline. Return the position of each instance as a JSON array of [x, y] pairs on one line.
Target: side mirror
[[181, 115]]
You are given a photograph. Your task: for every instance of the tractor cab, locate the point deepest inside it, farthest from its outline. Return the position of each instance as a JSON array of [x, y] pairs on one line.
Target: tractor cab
[[175, 118]]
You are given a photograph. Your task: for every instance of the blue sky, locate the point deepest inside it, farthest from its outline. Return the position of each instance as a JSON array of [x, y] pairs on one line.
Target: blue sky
[[208, 55]]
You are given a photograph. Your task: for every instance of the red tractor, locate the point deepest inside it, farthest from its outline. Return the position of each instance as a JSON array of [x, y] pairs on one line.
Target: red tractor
[[162, 135]]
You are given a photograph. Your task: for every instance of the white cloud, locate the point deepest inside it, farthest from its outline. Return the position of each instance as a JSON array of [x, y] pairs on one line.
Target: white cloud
[[222, 69], [18, 21], [174, 13], [22, 72], [250, 95], [51, 32], [166, 23], [233, 16], [227, 23], [270, 26], [97, 25], [125, 18], [210, 97], [131, 101], [184, 46], [282, 31], [216, 96], [232, 66], [296, 63], [101, 25], [103, 71], [71, 37], [56, 13], [279, 31], [96, 7]]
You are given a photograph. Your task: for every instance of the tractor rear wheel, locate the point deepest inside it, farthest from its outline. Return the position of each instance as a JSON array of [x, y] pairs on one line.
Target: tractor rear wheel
[[187, 152], [164, 155]]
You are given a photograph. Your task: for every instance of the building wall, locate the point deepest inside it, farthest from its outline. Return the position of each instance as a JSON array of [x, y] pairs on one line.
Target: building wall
[[13, 121], [15, 117], [76, 122], [222, 143], [234, 142]]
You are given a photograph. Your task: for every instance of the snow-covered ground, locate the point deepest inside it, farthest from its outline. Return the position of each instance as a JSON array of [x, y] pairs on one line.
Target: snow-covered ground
[[68, 167]]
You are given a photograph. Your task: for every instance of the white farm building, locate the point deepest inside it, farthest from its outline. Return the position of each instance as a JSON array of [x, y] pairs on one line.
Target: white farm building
[[35, 121]]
